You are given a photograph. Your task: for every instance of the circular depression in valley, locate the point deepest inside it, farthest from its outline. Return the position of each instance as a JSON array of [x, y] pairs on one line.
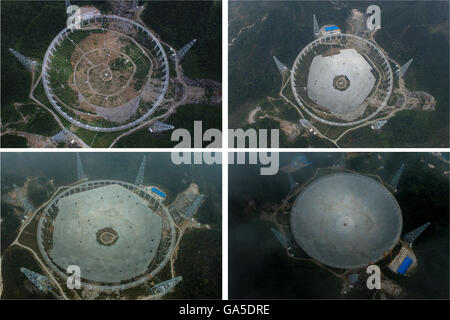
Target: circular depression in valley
[[346, 220], [117, 233], [110, 74], [341, 80]]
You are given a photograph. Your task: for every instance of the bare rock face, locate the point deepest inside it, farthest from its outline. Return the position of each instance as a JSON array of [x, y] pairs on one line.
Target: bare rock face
[[204, 91], [420, 101]]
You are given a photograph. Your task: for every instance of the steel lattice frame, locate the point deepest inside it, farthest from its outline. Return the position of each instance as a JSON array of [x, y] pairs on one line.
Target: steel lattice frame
[[93, 185], [386, 65], [86, 21]]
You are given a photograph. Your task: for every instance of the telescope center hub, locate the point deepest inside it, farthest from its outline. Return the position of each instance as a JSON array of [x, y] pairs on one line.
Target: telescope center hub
[[106, 74], [109, 73], [345, 224], [107, 236], [341, 82]]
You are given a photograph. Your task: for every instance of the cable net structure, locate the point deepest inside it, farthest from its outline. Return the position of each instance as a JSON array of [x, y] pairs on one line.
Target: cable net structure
[[109, 75], [98, 213], [341, 80], [346, 220]]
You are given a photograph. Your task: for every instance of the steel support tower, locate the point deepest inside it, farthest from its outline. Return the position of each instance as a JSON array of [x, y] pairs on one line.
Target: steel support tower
[[395, 180], [306, 124], [281, 238], [182, 52], [315, 26], [378, 124], [159, 126], [140, 177], [281, 67], [411, 236], [194, 206], [41, 282], [165, 286], [80, 170], [404, 68], [292, 182], [28, 63]]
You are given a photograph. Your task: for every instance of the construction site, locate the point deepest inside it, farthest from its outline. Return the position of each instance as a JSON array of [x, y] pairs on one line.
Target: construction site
[[342, 221], [111, 74], [121, 236], [343, 81]]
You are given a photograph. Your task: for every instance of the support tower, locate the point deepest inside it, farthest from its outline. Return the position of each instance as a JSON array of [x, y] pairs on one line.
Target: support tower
[[80, 170], [140, 177]]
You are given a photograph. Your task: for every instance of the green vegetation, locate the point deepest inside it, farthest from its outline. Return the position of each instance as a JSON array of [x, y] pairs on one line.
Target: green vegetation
[[16, 285], [422, 195], [203, 244], [12, 141], [141, 61], [28, 27], [10, 225], [280, 29], [41, 122], [118, 64], [183, 118], [199, 261], [418, 30], [178, 22]]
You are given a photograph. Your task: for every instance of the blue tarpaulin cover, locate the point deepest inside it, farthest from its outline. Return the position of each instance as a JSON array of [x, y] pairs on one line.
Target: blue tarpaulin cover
[[331, 28], [159, 192], [405, 265]]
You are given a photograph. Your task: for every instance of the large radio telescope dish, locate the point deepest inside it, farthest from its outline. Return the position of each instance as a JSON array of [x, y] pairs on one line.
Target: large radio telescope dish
[[346, 220]]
